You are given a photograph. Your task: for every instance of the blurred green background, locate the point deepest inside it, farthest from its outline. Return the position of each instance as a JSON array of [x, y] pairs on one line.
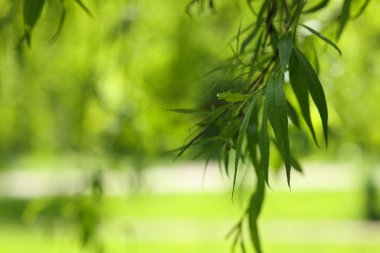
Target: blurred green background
[[86, 128]]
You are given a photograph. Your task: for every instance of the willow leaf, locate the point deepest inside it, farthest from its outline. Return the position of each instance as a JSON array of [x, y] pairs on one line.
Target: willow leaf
[[259, 21], [310, 78], [253, 138], [240, 138], [318, 6], [32, 10], [278, 116], [189, 111], [327, 40], [84, 7], [296, 165], [362, 9], [226, 159], [264, 145], [298, 81], [344, 16], [233, 97], [293, 116], [285, 45], [255, 206], [60, 26]]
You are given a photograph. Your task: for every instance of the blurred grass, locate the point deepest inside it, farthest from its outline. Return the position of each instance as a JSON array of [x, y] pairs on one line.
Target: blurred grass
[[191, 223], [280, 204]]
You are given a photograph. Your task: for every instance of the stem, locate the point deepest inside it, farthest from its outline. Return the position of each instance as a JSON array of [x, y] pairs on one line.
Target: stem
[[259, 79]]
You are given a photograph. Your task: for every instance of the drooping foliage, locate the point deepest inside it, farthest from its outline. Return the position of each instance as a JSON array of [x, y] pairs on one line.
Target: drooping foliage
[[274, 85]]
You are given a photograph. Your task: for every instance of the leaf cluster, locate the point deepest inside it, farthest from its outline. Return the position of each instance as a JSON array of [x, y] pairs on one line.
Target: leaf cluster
[[32, 11], [255, 109]]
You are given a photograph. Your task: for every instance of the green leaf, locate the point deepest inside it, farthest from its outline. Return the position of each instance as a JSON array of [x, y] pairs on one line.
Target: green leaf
[[60, 26], [292, 113], [189, 111], [344, 16], [240, 138], [226, 158], [299, 83], [310, 78], [256, 203], [253, 137], [278, 116], [328, 41], [84, 7], [285, 45], [318, 6], [259, 21], [32, 10], [233, 97], [264, 145], [296, 165], [362, 9]]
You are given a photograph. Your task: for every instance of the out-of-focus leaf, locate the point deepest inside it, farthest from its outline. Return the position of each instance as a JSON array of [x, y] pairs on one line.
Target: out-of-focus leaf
[[296, 165], [255, 205], [362, 9], [305, 75], [253, 137], [285, 45], [256, 27], [60, 26], [189, 111], [32, 10], [240, 138], [322, 4], [226, 159], [233, 97], [344, 16], [327, 40], [292, 113], [278, 116], [84, 7], [264, 145]]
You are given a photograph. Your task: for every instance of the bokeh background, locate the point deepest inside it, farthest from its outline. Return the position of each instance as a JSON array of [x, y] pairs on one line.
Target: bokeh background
[[87, 128]]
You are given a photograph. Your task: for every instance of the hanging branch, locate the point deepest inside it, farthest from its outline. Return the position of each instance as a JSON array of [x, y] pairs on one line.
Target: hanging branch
[[271, 47]]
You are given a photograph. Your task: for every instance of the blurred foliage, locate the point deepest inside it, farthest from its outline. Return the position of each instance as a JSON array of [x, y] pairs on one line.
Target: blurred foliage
[[96, 78], [105, 85]]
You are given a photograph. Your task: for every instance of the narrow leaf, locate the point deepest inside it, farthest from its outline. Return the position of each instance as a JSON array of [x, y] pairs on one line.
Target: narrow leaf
[[328, 41], [299, 83], [285, 45], [292, 113], [226, 159], [362, 9], [60, 26], [264, 145], [315, 88], [278, 116], [296, 165], [189, 111], [84, 7], [32, 10], [233, 97], [344, 16], [240, 138], [253, 138], [255, 206], [318, 6], [256, 27]]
